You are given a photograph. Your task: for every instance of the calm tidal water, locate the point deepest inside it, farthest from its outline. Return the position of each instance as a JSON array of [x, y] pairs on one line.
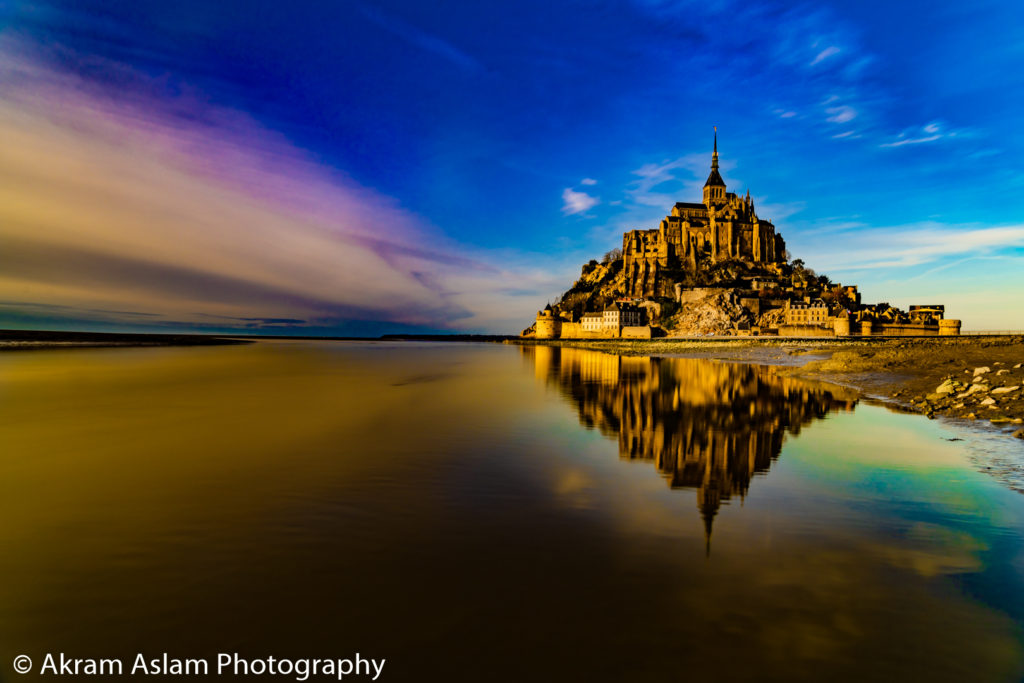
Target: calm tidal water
[[487, 512]]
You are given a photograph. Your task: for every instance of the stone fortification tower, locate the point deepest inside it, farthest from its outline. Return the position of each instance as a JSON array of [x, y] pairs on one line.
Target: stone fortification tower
[[548, 325]]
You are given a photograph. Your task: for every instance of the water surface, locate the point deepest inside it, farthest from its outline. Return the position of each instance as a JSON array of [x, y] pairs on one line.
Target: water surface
[[486, 512]]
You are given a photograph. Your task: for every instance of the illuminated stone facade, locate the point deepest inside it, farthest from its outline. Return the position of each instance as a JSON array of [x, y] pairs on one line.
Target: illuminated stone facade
[[801, 313], [723, 226]]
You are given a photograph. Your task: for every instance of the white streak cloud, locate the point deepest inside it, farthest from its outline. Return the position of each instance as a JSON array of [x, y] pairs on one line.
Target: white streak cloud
[[825, 54], [930, 132], [909, 246], [577, 202], [841, 114]]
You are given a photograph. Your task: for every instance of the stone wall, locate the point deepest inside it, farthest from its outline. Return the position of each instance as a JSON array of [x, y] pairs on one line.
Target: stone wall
[[640, 332], [688, 296], [805, 331], [907, 330], [576, 331], [572, 330], [843, 327], [752, 304]]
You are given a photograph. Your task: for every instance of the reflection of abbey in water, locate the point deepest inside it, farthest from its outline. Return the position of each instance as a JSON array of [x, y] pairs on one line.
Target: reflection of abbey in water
[[704, 424]]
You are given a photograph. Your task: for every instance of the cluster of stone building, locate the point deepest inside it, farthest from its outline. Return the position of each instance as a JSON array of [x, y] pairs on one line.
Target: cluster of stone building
[[817, 318], [805, 313], [622, 319], [725, 227]]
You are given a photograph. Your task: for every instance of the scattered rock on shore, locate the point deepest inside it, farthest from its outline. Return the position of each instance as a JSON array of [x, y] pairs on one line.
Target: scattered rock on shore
[[958, 378]]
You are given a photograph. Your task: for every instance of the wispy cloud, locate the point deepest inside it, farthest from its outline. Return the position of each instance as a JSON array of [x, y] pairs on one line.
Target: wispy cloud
[[125, 207], [577, 202], [422, 39], [829, 51], [588, 181], [914, 245], [911, 141], [841, 114], [930, 132], [776, 212], [661, 184]]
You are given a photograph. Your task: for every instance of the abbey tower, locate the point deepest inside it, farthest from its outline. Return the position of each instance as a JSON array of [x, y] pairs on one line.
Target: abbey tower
[[724, 226]]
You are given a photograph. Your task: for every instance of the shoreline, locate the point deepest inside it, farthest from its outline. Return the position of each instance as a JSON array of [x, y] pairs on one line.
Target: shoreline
[[968, 380], [31, 340], [35, 340]]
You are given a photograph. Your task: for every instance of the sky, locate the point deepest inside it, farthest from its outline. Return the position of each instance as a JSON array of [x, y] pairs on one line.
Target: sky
[[359, 168]]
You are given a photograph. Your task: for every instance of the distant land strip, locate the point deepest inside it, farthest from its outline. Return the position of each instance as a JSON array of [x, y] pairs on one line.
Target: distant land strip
[[23, 340]]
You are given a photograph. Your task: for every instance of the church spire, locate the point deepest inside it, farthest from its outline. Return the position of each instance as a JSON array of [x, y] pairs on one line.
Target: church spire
[[714, 188], [714, 154]]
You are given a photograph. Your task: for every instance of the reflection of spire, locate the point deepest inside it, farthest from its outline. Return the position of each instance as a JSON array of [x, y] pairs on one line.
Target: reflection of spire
[[707, 513], [709, 499], [705, 426]]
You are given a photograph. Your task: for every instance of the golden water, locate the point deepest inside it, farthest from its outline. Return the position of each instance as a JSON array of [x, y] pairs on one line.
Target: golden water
[[486, 512]]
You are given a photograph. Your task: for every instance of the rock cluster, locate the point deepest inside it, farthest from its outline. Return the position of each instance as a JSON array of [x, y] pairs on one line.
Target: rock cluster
[[990, 392], [773, 318], [716, 314]]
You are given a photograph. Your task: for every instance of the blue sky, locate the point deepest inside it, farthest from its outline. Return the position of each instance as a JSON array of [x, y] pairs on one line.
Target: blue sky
[[365, 167]]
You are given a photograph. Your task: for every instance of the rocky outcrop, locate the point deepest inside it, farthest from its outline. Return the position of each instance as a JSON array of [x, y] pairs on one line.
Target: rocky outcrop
[[772, 319], [717, 313], [598, 286]]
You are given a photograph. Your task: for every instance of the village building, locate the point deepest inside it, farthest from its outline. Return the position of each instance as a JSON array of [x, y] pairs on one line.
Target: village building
[[927, 314], [620, 315], [763, 283], [593, 322], [801, 313]]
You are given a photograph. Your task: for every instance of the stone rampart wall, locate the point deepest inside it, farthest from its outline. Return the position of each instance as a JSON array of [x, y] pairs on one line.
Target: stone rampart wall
[[805, 331], [906, 330], [638, 332]]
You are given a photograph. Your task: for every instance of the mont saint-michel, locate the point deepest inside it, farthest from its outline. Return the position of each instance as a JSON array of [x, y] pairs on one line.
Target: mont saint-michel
[[716, 267]]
